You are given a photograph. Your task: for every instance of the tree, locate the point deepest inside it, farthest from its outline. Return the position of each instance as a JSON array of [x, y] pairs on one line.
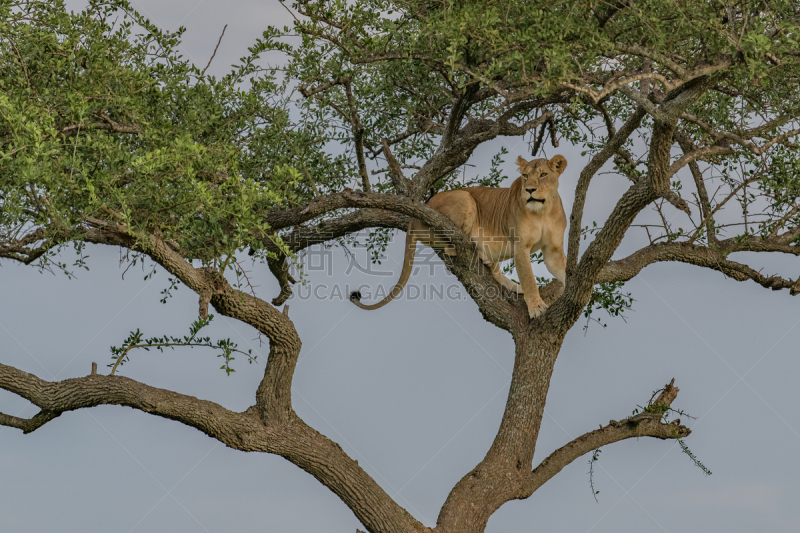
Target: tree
[[108, 137]]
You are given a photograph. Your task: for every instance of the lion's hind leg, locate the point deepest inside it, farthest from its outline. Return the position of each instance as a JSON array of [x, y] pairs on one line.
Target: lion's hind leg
[[556, 262], [497, 274], [458, 206]]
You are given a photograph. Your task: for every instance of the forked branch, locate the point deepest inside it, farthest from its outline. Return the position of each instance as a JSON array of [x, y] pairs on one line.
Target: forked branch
[[28, 425]]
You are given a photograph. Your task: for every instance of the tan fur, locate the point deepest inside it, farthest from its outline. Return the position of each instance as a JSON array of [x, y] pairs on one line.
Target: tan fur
[[504, 224]]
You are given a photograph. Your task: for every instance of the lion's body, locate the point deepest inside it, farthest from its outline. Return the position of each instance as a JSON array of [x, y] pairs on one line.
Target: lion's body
[[504, 223]]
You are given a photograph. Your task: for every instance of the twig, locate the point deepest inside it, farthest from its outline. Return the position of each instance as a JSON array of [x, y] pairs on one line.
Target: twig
[[592, 461], [22, 63], [215, 50]]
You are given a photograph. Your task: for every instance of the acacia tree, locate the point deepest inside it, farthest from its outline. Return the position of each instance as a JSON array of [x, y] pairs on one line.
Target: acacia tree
[[108, 137]]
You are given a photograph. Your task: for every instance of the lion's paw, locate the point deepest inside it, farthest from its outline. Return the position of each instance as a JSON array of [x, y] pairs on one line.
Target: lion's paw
[[536, 309]]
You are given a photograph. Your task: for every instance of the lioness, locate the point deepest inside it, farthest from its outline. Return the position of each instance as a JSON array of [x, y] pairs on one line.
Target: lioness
[[504, 224]]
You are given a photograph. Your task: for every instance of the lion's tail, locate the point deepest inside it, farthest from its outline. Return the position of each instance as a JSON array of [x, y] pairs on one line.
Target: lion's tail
[[408, 265]]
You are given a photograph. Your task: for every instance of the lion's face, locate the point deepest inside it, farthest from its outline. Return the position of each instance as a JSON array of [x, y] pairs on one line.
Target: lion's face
[[540, 181]]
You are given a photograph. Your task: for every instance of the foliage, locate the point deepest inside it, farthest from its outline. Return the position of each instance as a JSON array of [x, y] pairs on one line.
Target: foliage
[[664, 411], [101, 118], [609, 298], [136, 340]]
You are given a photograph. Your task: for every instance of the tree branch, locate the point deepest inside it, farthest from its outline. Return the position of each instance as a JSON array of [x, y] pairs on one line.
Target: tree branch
[[55, 398], [743, 139], [581, 278], [280, 269], [27, 425], [273, 397], [646, 424], [604, 15], [358, 135], [108, 125], [679, 203], [686, 144], [302, 237], [715, 259], [635, 49], [280, 219], [401, 184], [247, 431], [459, 110], [698, 153], [585, 178], [215, 50]]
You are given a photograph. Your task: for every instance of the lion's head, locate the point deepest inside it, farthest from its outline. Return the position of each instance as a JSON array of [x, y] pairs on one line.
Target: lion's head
[[539, 180]]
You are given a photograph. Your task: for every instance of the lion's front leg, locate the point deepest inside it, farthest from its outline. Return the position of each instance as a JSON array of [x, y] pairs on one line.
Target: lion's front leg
[[522, 260]]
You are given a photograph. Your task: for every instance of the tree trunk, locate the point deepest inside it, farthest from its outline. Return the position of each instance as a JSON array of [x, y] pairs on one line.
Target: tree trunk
[[502, 474]]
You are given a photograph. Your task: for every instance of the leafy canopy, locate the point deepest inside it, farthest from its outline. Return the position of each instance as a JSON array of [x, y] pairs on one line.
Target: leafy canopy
[[102, 119]]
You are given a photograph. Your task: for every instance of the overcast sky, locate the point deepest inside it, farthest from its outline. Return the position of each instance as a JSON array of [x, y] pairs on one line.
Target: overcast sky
[[414, 391]]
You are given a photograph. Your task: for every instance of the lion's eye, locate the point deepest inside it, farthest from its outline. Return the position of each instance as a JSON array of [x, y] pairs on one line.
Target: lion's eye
[[542, 175]]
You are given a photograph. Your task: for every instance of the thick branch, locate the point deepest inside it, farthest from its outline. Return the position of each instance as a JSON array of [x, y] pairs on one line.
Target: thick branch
[[55, 398], [246, 431], [274, 394], [301, 237], [277, 428], [457, 114], [280, 219], [647, 424]]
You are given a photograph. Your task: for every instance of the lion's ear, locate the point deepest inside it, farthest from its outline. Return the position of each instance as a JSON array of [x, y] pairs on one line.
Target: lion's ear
[[521, 163], [558, 163]]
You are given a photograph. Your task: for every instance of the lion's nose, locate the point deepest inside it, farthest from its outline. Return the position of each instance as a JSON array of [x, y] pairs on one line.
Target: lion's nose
[[532, 189]]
